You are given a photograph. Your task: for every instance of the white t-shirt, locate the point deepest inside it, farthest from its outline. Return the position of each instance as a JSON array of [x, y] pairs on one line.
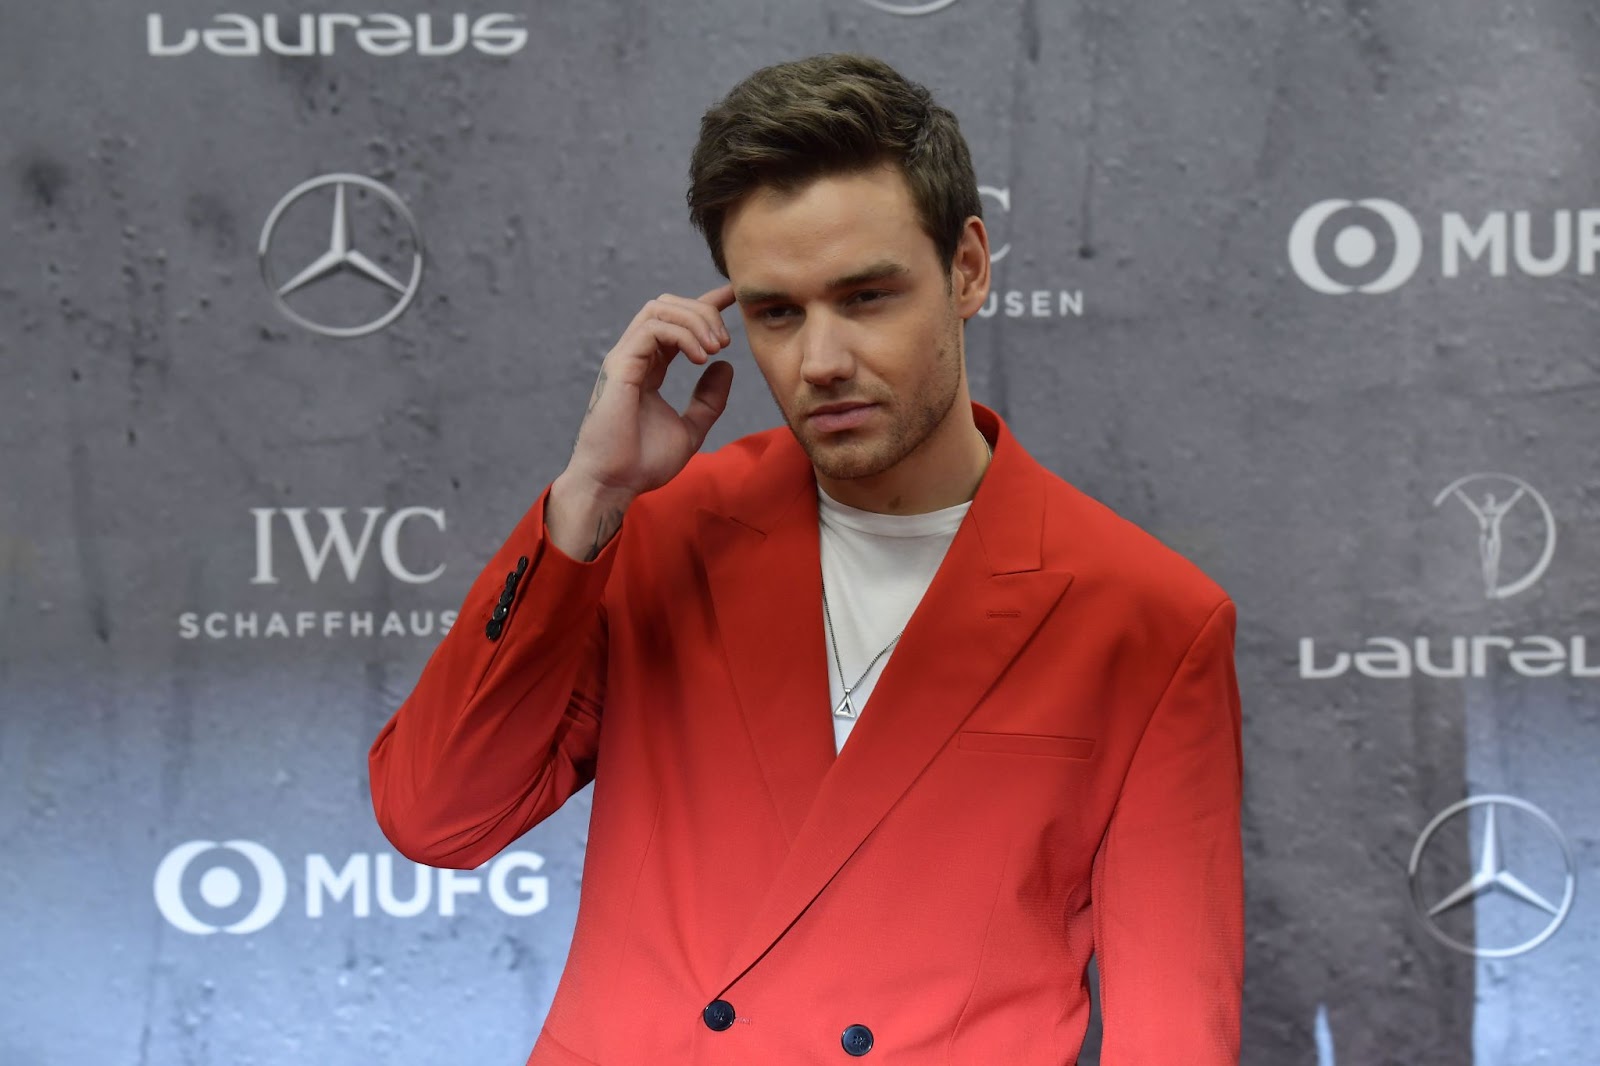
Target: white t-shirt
[[875, 568]]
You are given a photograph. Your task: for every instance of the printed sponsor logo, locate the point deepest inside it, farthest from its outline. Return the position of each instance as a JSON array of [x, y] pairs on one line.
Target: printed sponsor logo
[[1515, 534], [1489, 499], [334, 547], [1354, 247], [909, 7], [1389, 658], [1032, 302], [321, 246], [237, 901], [327, 34], [1532, 884], [1375, 246], [240, 887]]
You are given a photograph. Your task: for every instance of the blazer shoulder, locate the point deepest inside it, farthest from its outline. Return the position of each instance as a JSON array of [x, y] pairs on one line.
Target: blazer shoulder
[[1113, 554]]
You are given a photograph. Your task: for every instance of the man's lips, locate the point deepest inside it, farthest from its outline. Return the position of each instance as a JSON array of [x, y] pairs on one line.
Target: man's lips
[[833, 417]]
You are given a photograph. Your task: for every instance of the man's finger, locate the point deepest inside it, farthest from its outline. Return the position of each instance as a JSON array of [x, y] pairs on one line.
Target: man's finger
[[710, 399], [650, 346], [720, 297], [705, 318]]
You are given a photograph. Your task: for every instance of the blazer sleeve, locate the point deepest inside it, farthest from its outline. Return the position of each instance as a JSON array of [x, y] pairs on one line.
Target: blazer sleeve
[[1168, 879], [500, 730]]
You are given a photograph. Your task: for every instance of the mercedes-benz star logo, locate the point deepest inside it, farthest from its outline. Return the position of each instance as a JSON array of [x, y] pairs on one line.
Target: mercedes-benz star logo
[[909, 8], [1492, 875], [342, 255], [1497, 495]]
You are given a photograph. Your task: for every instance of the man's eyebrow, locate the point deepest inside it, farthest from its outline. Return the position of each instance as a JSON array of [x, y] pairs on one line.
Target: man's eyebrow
[[880, 271]]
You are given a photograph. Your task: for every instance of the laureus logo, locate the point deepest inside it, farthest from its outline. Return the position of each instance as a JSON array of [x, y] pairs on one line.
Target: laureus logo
[[1512, 528], [328, 33], [1347, 236], [1491, 499]]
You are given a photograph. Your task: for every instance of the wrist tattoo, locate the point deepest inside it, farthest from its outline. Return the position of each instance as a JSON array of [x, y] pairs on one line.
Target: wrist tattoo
[[594, 397], [594, 400], [604, 529]]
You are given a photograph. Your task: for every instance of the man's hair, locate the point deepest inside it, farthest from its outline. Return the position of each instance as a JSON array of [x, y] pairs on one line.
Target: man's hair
[[787, 125]]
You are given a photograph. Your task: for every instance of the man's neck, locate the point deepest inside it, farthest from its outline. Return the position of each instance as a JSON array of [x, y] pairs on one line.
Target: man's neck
[[943, 471]]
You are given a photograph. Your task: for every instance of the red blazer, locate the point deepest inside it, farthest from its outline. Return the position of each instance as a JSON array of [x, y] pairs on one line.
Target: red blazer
[[1048, 767]]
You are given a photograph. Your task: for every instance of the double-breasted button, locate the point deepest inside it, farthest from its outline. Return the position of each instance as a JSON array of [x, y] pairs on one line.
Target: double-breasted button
[[718, 1015], [493, 629], [857, 1040], [501, 610]]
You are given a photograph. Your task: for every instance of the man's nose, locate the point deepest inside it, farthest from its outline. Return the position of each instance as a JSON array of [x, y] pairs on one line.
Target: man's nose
[[825, 356]]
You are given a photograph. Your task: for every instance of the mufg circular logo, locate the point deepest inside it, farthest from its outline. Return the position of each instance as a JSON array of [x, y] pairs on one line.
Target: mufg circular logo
[[241, 887], [1341, 246]]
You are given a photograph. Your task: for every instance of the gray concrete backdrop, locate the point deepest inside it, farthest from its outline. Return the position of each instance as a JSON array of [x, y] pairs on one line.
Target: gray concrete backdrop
[[158, 414]]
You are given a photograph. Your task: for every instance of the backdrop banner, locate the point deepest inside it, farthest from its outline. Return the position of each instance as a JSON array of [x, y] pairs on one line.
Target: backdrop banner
[[299, 310]]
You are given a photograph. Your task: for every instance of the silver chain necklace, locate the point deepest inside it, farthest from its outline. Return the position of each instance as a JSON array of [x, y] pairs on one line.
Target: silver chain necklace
[[846, 707]]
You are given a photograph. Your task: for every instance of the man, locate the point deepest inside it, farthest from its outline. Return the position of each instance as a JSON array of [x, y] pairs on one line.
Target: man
[[890, 728]]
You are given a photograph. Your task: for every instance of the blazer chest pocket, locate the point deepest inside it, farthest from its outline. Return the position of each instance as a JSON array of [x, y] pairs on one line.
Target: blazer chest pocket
[[1026, 744]]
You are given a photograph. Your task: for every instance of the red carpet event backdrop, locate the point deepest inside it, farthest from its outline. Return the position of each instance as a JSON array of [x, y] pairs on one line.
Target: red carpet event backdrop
[[299, 310]]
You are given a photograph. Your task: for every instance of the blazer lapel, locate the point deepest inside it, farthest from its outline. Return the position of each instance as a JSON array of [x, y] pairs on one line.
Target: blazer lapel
[[763, 565], [985, 602]]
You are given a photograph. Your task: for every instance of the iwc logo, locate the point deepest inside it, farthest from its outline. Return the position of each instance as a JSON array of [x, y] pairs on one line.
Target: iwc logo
[[906, 8], [1003, 198], [1534, 881], [309, 239], [1351, 248], [1007, 301], [396, 546]]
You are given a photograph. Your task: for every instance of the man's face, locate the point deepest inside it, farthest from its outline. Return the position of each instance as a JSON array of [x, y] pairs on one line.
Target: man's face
[[850, 315]]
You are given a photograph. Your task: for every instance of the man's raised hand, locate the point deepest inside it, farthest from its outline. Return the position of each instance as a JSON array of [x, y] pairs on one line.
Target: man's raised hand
[[631, 439]]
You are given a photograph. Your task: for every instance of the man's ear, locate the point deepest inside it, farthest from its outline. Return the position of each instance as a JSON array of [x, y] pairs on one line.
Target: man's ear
[[969, 269]]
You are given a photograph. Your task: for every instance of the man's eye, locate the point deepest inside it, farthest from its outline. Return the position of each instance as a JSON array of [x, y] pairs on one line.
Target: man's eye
[[773, 314], [868, 296]]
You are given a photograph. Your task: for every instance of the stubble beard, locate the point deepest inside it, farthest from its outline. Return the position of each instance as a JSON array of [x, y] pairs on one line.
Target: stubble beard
[[912, 420]]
